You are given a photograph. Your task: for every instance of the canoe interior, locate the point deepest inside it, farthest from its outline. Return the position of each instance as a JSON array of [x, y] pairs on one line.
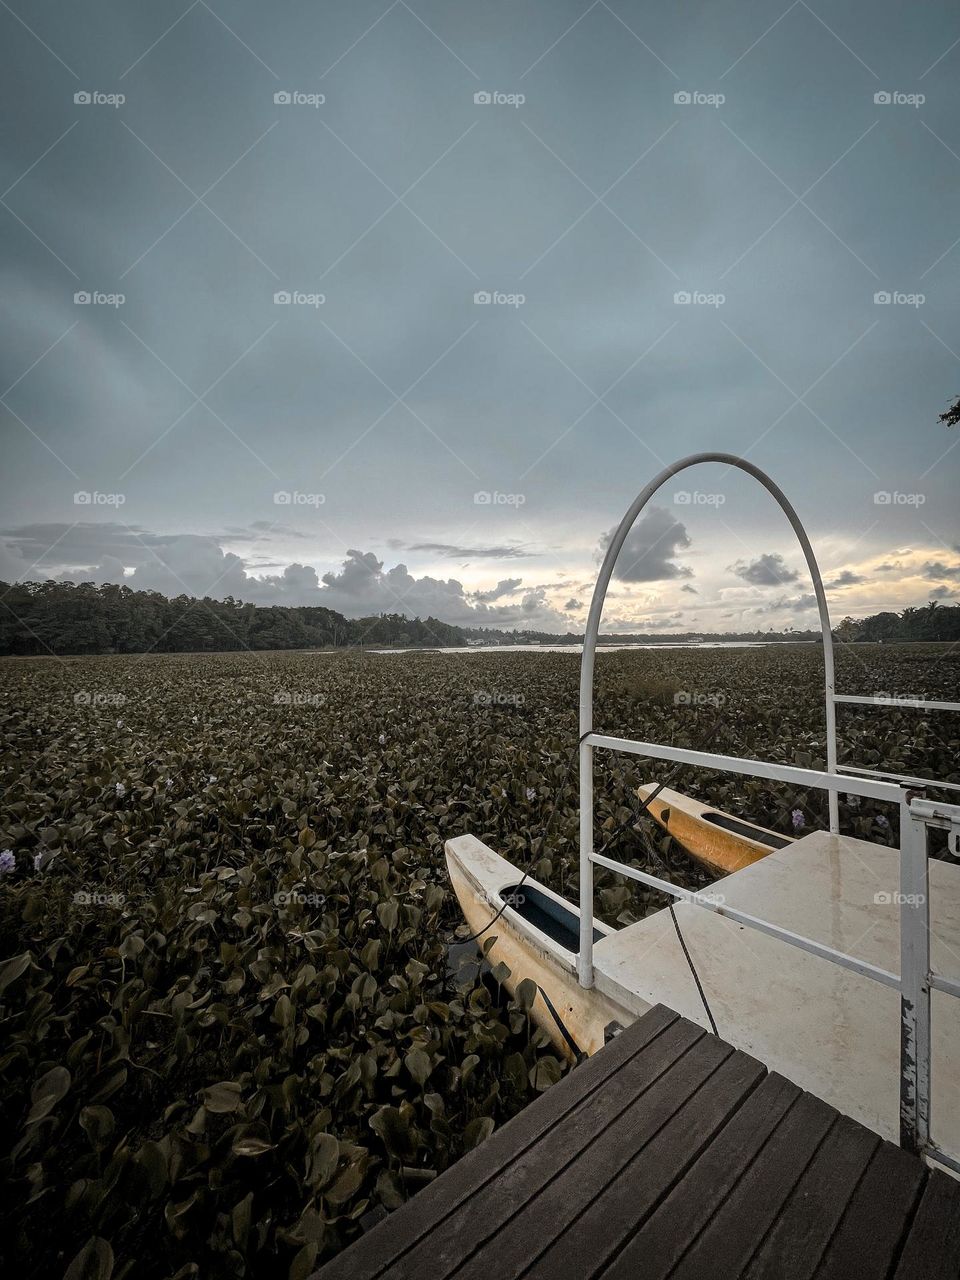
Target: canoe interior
[[747, 829], [546, 914]]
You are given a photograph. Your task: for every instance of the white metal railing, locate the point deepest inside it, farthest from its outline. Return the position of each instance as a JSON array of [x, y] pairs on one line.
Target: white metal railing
[[917, 816]]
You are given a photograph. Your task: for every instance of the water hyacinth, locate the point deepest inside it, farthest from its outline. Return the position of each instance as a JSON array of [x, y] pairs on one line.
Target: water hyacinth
[[797, 820], [120, 790], [268, 1020], [8, 862]]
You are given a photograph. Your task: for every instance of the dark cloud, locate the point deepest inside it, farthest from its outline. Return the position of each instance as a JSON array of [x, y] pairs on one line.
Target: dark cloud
[[846, 579], [573, 605], [936, 569], [795, 604], [455, 552], [692, 590], [650, 549], [768, 570], [505, 587], [944, 593]]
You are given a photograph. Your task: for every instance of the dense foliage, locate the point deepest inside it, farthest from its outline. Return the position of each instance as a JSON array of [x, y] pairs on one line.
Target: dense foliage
[[230, 1027], [63, 618], [932, 622]]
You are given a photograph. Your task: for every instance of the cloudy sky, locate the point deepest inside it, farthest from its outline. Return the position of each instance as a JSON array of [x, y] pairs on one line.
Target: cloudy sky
[[396, 306]]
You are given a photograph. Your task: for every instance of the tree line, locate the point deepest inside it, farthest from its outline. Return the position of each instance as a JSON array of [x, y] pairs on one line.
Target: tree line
[[66, 618]]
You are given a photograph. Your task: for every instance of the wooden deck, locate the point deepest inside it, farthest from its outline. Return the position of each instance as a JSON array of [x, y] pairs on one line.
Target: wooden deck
[[669, 1153]]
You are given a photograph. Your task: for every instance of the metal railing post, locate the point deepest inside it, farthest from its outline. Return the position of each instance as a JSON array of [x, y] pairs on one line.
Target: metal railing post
[[585, 957], [914, 981]]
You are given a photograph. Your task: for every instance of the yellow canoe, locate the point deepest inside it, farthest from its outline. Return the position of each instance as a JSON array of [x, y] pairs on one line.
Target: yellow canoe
[[719, 840]]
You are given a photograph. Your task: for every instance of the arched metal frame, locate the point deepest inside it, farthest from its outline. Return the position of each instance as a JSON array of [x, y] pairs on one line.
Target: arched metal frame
[[593, 630]]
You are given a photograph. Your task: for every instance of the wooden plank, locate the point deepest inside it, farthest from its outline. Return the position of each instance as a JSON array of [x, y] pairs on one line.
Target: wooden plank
[[727, 1244], [600, 1233], [517, 1245], [566, 1150], [795, 1245], [868, 1238], [390, 1238], [657, 1247], [932, 1248]]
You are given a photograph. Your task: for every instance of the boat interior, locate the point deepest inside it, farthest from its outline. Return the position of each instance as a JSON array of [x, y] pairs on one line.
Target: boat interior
[[740, 828], [552, 916]]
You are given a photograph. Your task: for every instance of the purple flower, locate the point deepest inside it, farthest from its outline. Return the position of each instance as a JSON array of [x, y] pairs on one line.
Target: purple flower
[[37, 859], [882, 822], [8, 862], [798, 820], [531, 794]]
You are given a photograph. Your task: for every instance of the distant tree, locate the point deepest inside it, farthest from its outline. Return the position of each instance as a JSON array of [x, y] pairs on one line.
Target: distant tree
[[952, 415]]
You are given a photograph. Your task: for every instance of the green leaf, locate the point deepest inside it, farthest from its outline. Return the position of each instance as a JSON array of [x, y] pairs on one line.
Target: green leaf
[[93, 1262], [47, 1092], [324, 1157], [14, 968], [393, 1129], [419, 1065], [346, 1185], [477, 1131], [223, 1097], [302, 1265], [526, 993], [545, 1072], [98, 1124], [240, 1219]]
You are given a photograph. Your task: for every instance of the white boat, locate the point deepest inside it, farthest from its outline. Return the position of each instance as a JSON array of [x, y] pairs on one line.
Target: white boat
[[833, 960]]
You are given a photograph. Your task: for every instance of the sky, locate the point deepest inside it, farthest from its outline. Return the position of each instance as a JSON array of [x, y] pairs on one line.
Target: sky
[[395, 307]]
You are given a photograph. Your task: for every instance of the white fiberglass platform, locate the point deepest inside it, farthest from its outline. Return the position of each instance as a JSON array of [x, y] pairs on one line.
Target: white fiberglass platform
[[833, 1032]]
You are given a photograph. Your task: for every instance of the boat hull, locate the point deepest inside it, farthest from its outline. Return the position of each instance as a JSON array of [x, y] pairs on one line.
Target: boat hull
[[479, 877], [719, 848]]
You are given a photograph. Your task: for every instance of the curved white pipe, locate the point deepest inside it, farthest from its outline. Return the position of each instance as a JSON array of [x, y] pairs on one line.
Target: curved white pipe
[[585, 960]]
